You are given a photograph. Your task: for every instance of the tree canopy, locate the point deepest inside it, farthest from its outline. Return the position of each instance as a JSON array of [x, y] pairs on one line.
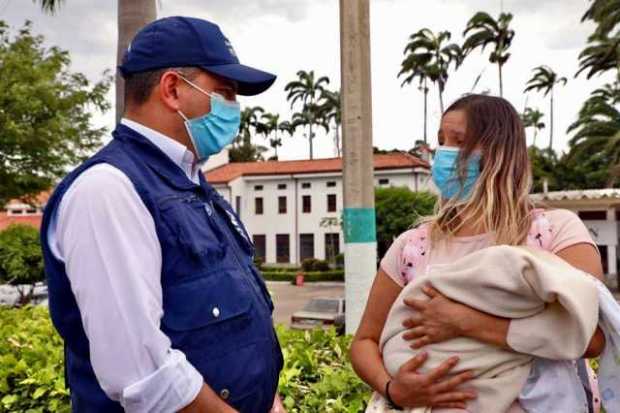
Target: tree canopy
[[45, 114]]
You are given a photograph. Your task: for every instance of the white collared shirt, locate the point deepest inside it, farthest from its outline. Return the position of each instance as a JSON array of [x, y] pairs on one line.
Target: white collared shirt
[[106, 237]]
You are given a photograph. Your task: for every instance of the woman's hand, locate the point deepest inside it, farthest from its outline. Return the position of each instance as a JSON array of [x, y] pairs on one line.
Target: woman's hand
[[438, 319], [412, 389]]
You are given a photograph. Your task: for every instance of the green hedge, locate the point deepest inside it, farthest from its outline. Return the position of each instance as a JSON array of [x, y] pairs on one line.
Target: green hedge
[[333, 275], [279, 269], [31, 363], [317, 375]]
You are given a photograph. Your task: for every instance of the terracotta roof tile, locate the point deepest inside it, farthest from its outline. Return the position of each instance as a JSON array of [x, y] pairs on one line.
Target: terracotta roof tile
[[230, 171]]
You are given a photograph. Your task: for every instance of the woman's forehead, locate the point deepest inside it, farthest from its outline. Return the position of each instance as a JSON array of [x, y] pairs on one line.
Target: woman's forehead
[[456, 120]]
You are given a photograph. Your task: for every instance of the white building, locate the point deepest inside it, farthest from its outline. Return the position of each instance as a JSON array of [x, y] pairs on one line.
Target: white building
[[599, 209], [292, 209]]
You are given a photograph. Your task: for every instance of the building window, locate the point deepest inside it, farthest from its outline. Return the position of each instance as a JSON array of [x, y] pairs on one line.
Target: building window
[[306, 246], [384, 181], [331, 184], [281, 186], [331, 203], [258, 206], [593, 215], [306, 204], [16, 212], [305, 185], [258, 187], [283, 248], [238, 205], [332, 246], [281, 205], [260, 247]]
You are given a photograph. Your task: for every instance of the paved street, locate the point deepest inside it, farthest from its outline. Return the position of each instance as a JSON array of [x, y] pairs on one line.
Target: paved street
[[289, 298]]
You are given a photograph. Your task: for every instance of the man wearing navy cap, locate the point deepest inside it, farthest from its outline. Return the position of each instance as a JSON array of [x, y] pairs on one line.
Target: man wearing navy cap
[[150, 274]]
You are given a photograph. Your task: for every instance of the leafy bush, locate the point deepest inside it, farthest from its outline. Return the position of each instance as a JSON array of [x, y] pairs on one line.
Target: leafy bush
[[398, 209], [31, 363], [21, 259], [265, 268], [313, 264], [339, 260], [317, 375], [258, 262], [314, 276]]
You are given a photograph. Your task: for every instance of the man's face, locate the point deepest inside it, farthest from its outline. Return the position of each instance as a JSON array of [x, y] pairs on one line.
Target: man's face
[[194, 102]]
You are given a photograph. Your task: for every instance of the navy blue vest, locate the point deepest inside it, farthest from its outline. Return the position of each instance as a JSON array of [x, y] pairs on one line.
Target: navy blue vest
[[216, 307]]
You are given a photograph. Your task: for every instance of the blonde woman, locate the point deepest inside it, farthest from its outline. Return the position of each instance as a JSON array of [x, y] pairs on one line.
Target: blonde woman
[[482, 138]]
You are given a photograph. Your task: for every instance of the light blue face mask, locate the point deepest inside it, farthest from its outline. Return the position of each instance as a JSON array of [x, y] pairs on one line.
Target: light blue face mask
[[210, 133], [445, 173]]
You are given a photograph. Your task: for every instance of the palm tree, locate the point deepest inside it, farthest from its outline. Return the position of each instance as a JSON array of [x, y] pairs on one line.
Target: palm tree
[[307, 91], [250, 122], [601, 55], [132, 16], [427, 57], [545, 79], [269, 126], [533, 118], [597, 132], [309, 117], [606, 13], [484, 31], [330, 110], [603, 50], [597, 129], [243, 150]]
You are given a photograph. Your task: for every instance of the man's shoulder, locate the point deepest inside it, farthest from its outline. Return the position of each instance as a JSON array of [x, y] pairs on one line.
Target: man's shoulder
[[101, 178], [100, 184]]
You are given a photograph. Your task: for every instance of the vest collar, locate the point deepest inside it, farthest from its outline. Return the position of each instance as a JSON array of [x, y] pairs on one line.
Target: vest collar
[[154, 158]]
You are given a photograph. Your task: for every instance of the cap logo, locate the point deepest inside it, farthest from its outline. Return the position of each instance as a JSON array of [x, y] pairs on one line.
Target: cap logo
[[230, 48]]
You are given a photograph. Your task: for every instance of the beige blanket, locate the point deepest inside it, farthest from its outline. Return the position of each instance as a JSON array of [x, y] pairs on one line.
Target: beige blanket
[[510, 282]]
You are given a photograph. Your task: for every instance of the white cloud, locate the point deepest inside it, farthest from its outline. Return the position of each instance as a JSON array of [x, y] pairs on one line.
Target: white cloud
[[284, 36]]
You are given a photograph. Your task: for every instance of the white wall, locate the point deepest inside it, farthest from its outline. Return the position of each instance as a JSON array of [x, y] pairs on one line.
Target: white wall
[[295, 222]]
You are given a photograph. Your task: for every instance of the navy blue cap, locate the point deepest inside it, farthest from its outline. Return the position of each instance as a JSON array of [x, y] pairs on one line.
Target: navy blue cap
[[186, 41]]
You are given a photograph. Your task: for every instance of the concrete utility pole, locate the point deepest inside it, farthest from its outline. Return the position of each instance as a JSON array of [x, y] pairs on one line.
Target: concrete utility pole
[[360, 235]]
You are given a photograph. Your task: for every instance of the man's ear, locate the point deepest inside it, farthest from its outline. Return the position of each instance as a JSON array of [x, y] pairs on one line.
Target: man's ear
[[170, 90]]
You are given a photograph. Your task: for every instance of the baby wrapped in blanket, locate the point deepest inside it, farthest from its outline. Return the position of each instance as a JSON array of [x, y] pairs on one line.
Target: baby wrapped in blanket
[[509, 282]]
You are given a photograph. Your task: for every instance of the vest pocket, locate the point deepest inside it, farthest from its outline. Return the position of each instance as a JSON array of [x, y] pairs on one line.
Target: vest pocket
[[215, 298], [186, 217]]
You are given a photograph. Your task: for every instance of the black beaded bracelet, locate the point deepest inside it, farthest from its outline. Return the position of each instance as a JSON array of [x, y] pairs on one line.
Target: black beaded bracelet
[[391, 403]]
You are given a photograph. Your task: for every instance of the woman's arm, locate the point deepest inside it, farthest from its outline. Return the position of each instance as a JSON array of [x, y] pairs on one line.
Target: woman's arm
[[586, 258], [440, 318], [408, 388]]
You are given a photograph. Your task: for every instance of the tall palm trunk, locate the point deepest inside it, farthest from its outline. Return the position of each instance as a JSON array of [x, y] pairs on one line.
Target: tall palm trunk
[[310, 138], [551, 122], [337, 140], [425, 109], [535, 133], [132, 16], [501, 83], [441, 100]]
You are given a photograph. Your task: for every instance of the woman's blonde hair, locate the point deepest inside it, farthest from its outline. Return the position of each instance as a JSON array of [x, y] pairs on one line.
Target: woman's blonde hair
[[500, 202]]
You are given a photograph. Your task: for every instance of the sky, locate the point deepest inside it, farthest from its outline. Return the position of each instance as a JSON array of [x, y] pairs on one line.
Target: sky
[[284, 36]]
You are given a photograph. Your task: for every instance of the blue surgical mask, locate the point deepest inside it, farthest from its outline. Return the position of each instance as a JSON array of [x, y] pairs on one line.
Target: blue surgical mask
[[445, 173], [212, 132]]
